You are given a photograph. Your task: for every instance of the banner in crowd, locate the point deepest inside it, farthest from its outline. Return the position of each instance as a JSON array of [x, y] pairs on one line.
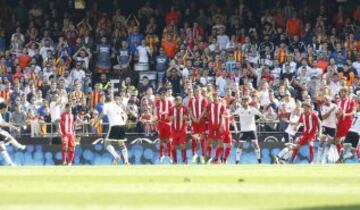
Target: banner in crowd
[[141, 150]]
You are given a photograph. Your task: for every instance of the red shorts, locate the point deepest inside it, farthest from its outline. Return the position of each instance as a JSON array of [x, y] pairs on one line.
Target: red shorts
[[164, 131], [306, 138], [198, 128], [68, 141], [179, 137], [214, 133], [226, 137], [343, 128]]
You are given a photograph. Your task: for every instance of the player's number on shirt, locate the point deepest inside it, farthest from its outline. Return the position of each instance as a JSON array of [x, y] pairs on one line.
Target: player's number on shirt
[[354, 121]]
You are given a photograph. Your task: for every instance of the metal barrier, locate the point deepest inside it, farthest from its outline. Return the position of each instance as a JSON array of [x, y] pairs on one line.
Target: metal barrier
[[86, 129]]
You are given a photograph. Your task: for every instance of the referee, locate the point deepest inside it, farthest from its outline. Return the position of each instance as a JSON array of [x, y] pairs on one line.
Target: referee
[[116, 113]]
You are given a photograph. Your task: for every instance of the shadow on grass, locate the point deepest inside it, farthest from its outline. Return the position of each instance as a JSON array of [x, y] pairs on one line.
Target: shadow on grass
[[345, 207]]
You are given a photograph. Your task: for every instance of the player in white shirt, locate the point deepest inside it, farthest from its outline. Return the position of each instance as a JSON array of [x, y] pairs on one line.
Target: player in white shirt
[[352, 137], [116, 113], [247, 116], [328, 115], [56, 107], [285, 154], [6, 138]]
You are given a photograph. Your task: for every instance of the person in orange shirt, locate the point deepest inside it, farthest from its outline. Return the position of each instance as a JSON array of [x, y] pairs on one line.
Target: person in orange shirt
[[293, 26], [95, 96], [24, 59], [239, 54], [3, 67], [169, 46], [281, 53], [347, 74], [321, 62], [5, 94], [152, 40], [18, 74]]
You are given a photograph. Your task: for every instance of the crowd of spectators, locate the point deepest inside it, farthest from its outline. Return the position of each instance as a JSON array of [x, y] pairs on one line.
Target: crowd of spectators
[[279, 53]]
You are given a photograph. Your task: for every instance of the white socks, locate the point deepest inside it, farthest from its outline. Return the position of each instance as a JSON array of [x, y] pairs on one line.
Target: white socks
[[16, 144], [125, 155], [112, 151], [325, 154], [283, 152], [258, 153], [7, 158], [238, 154], [320, 153]]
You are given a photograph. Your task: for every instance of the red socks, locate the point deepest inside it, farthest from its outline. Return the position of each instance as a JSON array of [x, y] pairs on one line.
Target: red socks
[[169, 149], [294, 154], [227, 153], [338, 147], [209, 150], [311, 151], [193, 146], [71, 156], [203, 147], [67, 155], [161, 150], [174, 156], [63, 155], [183, 154], [219, 152], [358, 153]]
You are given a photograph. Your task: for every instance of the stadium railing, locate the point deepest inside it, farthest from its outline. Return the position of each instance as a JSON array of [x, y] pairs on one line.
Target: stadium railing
[[50, 130]]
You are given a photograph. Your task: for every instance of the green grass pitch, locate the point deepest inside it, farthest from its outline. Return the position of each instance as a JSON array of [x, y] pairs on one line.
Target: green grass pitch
[[181, 187]]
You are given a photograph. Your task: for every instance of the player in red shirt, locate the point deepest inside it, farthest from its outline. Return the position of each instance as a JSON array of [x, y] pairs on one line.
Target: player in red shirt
[[163, 106], [215, 111], [226, 139], [197, 109], [347, 109], [311, 123], [179, 115], [67, 130]]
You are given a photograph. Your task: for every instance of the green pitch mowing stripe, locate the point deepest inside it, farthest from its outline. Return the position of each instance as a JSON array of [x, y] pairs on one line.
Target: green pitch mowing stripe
[[181, 187]]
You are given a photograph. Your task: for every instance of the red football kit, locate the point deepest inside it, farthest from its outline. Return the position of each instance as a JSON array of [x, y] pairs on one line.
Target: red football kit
[[226, 134], [310, 122], [215, 112], [67, 129], [197, 106], [344, 123], [164, 124], [179, 126]]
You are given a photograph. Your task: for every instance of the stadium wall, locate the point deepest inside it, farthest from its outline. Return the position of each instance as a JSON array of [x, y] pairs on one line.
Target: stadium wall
[[90, 151]]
